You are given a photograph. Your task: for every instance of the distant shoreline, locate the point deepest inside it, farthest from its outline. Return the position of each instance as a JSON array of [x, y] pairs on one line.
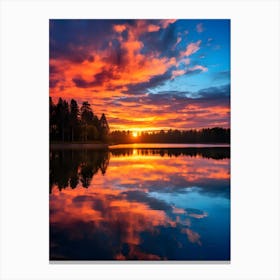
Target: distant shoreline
[[102, 146]]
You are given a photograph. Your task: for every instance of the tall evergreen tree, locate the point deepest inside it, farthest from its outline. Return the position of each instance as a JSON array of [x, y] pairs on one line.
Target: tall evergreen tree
[[103, 128], [74, 118], [86, 118], [62, 114]]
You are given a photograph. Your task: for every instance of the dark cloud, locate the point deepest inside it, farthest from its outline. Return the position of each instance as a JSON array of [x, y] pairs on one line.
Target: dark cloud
[[213, 96], [98, 79], [53, 83], [91, 58], [113, 88], [74, 40], [142, 88], [163, 42], [117, 55], [53, 69], [178, 184], [104, 76], [215, 91], [81, 83], [69, 52], [82, 198]]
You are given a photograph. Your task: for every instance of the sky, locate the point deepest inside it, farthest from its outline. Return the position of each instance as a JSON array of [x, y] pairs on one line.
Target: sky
[[144, 74]]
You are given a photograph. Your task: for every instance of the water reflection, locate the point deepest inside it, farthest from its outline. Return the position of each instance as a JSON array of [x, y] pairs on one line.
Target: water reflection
[[215, 153], [146, 204], [71, 167]]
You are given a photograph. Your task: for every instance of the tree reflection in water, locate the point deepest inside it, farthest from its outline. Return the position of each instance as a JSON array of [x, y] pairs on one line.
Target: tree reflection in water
[[146, 204], [69, 167]]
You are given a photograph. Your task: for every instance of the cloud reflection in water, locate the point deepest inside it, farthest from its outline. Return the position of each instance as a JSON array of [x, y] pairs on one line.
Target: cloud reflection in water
[[141, 205]]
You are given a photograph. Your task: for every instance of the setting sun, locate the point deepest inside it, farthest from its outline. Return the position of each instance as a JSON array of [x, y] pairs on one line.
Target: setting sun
[[134, 134]]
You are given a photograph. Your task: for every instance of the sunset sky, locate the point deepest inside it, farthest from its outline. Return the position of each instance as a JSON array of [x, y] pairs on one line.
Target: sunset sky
[[144, 74]]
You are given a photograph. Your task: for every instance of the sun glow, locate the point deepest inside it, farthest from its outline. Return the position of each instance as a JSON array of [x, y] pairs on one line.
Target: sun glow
[[135, 134]]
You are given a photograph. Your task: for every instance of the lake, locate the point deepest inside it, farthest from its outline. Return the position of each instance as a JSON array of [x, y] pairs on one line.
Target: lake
[[134, 202]]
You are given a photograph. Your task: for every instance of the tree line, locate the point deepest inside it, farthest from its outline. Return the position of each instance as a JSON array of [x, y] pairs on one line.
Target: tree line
[[70, 123], [205, 135]]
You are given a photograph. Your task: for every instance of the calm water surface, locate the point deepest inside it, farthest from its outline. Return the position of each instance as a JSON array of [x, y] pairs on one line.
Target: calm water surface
[[136, 203]]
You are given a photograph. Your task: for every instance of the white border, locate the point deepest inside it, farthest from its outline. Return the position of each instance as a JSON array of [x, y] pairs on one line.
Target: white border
[[255, 138]]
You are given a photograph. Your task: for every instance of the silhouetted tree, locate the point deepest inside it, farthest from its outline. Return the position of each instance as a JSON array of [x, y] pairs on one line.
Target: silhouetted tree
[[62, 115], [87, 118], [74, 118], [104, 128], [69, 123]]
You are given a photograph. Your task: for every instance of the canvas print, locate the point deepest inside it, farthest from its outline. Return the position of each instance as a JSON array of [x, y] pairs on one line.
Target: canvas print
[[139, 131]]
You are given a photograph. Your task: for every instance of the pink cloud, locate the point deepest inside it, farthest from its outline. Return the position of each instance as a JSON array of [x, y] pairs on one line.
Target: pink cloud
[[198, 67], [193, 237], [165, 22], [191, 48], [179, 39], [186, 61], [198, 216], [178, 210], [176, 73]]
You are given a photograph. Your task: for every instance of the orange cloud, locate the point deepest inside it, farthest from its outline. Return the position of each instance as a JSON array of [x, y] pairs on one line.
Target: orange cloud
[[119, 28], [136, 69], [153, 28]]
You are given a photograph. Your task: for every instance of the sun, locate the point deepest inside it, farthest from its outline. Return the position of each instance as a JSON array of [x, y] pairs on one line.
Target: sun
[[134, 134]]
